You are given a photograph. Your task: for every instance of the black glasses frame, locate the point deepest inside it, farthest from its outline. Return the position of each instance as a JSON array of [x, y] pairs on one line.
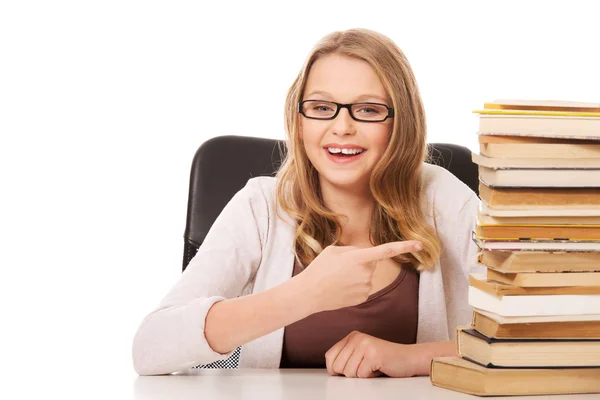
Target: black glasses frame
[[348, 106]]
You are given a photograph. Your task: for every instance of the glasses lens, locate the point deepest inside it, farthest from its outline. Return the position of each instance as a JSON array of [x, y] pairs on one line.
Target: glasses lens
[[318, 109], [369, 112]]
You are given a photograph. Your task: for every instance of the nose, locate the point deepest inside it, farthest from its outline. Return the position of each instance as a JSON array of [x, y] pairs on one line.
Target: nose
[[343, 124]]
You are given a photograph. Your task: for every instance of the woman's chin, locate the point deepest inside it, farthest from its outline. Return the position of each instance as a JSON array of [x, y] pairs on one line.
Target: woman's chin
[[344, 180]]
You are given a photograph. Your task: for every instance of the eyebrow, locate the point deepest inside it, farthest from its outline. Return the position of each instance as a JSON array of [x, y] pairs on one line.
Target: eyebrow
[[362, 97]]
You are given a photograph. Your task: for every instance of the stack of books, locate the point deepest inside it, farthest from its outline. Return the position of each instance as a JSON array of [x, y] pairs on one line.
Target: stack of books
[[536, 320]]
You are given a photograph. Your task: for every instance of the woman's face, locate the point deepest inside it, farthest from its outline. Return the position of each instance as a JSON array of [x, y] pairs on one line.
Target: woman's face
[[344, 80]]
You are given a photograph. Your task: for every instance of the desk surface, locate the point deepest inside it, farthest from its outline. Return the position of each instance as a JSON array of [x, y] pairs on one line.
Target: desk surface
[[304, 384]]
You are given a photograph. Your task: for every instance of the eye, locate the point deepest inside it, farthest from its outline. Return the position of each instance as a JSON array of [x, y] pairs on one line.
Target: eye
[[369, 110], [322, 108]]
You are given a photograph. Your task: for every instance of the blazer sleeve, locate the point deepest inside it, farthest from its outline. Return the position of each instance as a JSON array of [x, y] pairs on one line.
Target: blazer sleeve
[[459, 260], [468, 251], [171, 338]]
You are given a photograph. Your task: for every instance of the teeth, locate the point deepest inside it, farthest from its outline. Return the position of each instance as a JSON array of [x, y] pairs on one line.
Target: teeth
[[334, 150]]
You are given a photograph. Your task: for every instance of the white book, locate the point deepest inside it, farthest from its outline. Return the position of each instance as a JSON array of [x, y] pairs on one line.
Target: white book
[[538, 318], [530, 305], [535, 163], [539, 211], [555, 126], [540, 178]]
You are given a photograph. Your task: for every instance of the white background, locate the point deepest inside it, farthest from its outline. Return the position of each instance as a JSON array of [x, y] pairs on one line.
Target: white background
[[104, 103]]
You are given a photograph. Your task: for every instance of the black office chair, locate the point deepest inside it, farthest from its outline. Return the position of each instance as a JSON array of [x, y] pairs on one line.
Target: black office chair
[[222, 166]]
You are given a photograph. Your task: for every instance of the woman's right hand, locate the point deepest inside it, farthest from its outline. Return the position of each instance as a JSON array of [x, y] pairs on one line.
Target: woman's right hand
[[341, 275]]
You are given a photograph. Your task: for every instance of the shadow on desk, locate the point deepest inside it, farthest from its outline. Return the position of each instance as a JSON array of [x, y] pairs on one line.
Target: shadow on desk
[[301, 384]]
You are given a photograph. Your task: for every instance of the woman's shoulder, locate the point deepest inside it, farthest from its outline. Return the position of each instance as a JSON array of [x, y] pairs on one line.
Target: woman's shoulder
[[260, 187], [444, 190], [260, 193]]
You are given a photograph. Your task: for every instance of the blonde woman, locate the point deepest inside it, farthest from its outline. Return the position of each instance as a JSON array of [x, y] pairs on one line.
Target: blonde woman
[[354, 258]]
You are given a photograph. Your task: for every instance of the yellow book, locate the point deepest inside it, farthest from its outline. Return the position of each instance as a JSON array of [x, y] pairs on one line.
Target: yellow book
[[538, 113], [555, 123], [542, 105]]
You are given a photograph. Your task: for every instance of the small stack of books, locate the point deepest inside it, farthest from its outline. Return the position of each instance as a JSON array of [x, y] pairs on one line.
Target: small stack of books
[[536, 320]]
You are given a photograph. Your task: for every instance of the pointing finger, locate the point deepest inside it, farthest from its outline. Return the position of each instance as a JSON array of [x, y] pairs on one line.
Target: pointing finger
[[386, 250]]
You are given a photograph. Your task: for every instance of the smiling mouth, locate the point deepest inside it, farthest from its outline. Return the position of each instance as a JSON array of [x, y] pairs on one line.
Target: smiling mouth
[[344, 152], [343, 156]]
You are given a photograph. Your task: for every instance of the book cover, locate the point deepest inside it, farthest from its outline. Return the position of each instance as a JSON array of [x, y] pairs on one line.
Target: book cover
[[552, 124], [539, 178], [541, 105], [538, 232], [485, 219], [498, 289], [562, 329], [536, 245], [548, 280], [545, 102], [536, 319], [463, 376], [503, 146], [539, 210], [540, 261], [538, 197], [527, 353], [536, 163], [529, 305]]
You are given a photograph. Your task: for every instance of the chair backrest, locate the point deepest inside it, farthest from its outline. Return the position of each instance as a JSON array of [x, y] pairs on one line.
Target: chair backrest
[[222, 166]]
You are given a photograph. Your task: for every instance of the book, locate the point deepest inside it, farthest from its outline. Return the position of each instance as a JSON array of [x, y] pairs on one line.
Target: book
[[516, 232], [496, 288], [511, 198], [540, 261], [528, 305], [540, 178], [485, 219], [536, 245], [536, 319], [464, 376], [491, 328], [555, 124], [542, 105], [534, 147], [546, 279], [538, 211], [535, 163], [527, 353]]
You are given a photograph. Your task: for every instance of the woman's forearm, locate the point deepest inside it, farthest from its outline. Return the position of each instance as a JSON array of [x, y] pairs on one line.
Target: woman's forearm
[[424, 352], [235, 322]]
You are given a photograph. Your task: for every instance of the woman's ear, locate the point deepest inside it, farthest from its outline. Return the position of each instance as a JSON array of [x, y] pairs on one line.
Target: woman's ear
[[300, 129]]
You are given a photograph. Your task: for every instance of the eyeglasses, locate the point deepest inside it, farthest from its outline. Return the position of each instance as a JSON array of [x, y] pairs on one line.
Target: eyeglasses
[[327, 110]]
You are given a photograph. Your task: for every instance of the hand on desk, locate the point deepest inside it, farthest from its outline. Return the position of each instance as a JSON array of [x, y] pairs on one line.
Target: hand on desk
[[359, 355]]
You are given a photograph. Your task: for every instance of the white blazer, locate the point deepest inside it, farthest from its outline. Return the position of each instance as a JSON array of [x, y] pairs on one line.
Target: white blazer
[[249, 250]]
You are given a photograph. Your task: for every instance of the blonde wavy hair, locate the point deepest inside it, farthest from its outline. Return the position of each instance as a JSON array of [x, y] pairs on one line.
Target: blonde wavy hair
[[395, 181]]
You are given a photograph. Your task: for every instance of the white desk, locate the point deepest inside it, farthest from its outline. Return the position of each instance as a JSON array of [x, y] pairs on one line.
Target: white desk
[[301, 384]]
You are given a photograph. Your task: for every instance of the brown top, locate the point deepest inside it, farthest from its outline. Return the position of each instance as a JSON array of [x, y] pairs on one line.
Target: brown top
[[390, 314]]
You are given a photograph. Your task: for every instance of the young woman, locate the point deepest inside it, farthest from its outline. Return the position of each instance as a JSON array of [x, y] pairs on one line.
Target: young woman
[[354, 258]]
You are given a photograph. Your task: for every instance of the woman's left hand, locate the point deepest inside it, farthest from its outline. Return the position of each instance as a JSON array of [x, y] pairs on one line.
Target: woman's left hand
[[359, 355]]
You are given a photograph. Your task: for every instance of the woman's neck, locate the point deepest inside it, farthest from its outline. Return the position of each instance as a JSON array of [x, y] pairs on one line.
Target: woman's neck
[[357, 206]]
